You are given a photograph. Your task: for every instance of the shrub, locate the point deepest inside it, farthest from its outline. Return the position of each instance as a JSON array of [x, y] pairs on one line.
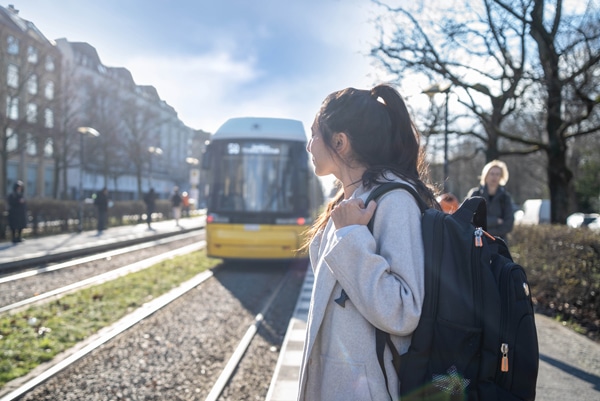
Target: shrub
[[563, 268]]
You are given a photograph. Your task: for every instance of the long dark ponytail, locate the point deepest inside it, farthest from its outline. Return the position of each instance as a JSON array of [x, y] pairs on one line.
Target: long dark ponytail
[[383, 138]]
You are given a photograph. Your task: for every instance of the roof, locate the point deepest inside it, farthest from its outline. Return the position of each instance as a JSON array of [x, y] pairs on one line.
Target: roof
[[10, 17], [262, 128]]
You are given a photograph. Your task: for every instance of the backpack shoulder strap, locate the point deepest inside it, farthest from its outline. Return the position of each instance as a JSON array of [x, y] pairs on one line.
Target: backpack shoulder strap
[[390, 186], [382, 338]]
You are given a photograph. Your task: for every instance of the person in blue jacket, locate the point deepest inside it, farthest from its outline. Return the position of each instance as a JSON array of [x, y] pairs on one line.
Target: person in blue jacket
[[500, 214], [363, 280]]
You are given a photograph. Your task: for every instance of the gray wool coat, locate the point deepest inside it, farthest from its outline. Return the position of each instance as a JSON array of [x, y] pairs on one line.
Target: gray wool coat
[[383, 276]]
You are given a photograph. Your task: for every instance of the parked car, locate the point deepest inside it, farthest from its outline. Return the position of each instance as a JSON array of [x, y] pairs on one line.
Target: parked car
[[590, 220], [535, 211]]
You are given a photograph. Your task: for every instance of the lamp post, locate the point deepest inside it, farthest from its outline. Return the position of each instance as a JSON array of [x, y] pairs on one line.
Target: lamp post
[[83, 131], [431, 91], [153, 150]]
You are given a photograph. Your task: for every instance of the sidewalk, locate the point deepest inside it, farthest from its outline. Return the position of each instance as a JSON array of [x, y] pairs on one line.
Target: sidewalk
[[569, 362], [46, 249]]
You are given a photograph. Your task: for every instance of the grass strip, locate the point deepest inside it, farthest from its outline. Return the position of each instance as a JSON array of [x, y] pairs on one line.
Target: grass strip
[[38, 334]]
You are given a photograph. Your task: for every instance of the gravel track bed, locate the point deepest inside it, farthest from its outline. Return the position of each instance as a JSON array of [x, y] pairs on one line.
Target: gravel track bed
[[254, 374], [19, 290], [178, 353]]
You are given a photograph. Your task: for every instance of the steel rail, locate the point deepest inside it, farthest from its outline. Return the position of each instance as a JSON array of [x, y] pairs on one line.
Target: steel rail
[[104, 277]]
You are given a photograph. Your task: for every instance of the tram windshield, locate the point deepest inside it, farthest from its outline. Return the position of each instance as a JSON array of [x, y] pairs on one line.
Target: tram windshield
[[259, 176]]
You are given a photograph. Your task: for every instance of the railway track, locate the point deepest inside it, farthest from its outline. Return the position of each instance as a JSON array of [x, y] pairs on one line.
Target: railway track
[[45, 282], [259, 299]]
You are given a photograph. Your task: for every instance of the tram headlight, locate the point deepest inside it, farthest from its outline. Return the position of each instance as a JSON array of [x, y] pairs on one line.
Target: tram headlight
[[300, 221], [215, 218]]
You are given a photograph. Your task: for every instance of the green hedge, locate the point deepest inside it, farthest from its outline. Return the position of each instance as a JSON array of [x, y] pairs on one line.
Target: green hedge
[[563, 268]]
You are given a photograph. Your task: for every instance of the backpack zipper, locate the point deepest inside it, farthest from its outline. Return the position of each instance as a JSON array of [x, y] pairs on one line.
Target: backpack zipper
[[504, 346], [478, 234], [504, 364], [475, 260]]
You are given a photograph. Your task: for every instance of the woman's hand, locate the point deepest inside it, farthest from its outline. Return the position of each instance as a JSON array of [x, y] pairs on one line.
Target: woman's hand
[[352, 211]]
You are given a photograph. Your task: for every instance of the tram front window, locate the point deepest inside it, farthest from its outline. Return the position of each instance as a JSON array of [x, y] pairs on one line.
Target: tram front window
[[256, 177]]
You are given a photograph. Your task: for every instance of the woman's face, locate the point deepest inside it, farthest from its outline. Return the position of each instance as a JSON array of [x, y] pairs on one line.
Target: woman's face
[[492, 179], [322, 156]]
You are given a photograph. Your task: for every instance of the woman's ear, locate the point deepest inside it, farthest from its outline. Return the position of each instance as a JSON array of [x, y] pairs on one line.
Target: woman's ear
[[341, 142]]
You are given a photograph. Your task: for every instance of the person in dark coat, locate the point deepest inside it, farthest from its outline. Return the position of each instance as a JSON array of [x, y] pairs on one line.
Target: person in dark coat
[[17, 211], [150, 201], [500, 216], [101, 203]]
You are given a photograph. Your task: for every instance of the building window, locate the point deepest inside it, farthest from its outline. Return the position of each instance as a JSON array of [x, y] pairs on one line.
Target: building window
[[13, 45], [32, 55], [12, 140], [12, 176], [48, 118], [31, 145], [48, 181], [32, 84], [49, 90], [12, 108], [32, 180], [48, 148], [12, 76], [32, 113], [49, 63]]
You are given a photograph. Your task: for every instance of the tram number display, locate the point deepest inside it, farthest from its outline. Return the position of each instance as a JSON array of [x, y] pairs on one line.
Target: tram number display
[[251, 149]]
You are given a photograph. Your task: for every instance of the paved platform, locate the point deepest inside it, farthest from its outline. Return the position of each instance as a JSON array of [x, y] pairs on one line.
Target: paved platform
[[284, 386], [569, 362], [48, 248]]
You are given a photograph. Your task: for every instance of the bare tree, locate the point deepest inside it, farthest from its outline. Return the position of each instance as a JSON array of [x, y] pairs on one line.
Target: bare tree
[[65, 138], [508, 62], [103, 111], [142, 127]]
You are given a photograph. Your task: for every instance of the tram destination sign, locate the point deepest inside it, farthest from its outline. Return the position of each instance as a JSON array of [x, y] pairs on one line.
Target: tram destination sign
[[252, 149]]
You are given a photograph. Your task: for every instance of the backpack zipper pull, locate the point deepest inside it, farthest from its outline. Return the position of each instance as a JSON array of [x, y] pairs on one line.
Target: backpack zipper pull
[[504, 350], [478, 234]]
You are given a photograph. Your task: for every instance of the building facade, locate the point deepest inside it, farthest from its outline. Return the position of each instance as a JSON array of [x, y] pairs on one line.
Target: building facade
[[87, 126], [30, 73]]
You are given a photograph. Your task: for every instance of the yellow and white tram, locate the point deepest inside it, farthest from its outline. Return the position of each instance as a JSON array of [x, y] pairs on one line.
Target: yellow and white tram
[[262, 193]]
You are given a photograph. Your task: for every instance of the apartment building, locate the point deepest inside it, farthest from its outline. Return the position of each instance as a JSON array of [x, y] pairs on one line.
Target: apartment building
[[95, 126], [30, 72]]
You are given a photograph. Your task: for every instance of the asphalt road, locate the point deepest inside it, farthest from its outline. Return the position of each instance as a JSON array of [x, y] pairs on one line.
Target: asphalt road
[[569, 364]]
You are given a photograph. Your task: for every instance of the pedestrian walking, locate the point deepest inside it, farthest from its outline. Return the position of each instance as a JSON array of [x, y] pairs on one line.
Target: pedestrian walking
[[363, 280], [150, 201], [17, 211], [101, 202], [176, 201], [185, 204], [500, 215]]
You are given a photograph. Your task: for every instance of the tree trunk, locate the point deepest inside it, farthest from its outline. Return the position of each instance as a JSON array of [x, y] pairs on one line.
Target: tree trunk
[[559, 179]]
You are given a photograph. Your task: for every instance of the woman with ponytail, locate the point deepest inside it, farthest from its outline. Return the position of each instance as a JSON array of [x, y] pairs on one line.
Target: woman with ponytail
[[363, 280]]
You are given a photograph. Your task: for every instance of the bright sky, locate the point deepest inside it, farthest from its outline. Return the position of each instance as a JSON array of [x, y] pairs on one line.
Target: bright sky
[[215, 59]]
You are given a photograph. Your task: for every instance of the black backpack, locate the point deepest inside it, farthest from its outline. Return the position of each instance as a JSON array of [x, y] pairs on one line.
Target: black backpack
[[476, 339]]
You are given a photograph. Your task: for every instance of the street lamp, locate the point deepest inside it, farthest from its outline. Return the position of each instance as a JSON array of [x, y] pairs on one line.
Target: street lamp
[[431, 91], [154, 150], [83, 131]]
